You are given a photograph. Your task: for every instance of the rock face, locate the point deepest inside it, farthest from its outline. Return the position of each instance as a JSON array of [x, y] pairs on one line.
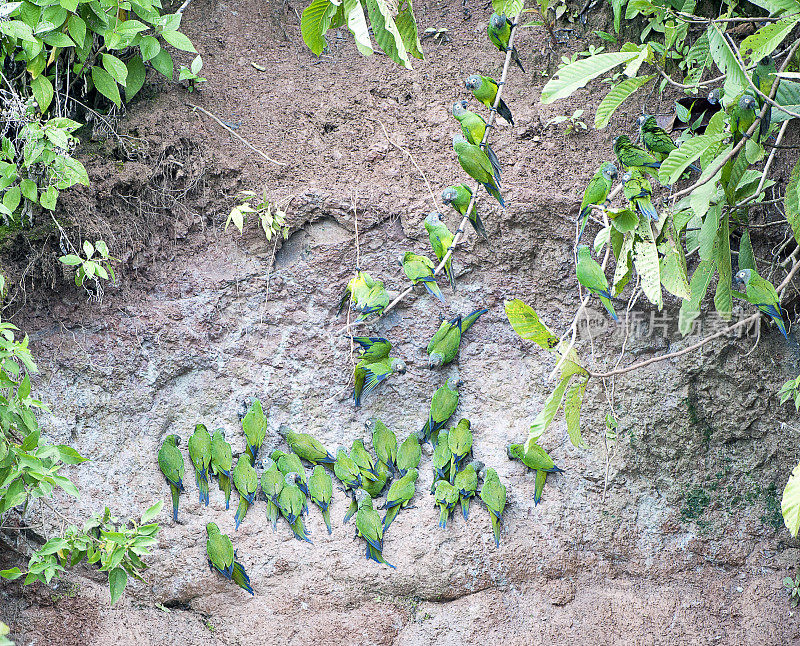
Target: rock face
[[665, 534]]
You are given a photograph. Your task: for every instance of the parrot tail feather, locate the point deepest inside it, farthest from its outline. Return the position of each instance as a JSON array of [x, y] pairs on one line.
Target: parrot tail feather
[[468, 320], [352, 509], [202, 485], [443, 516], [496, 528], [477, 224], [175, 493], [300, 531], [492, 190], [326, 516], [241, 511], [494, 162], [606, 301], [504, 111], [377, 556], [429, 283], [272, 515], [465, 507], [515, 58], [240, 577], [391, 514], [253, 451]]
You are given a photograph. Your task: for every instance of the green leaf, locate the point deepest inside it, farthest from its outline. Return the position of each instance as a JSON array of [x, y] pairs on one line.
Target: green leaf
[[622, 271], [152, 512], [117, 580], [162, 62], [690, 309], [746, 258], [723, 299], [708, 233], [115, 67], [673, 272], [13, 573], [616, 97], [527, 325], [725, 60], [67, 485], [791, 201], [178, 40], [549, 410], [645, 259], [357, 24], [106, 85], [777, 6], [69, 455], [49, 198], [407, 26], [29, 189], [31, 441], [149, 47], [12, 198], [680, 158], [136, 75], [767, 39], [578, 74], [15, 495], [57, 39], [508, 7], [42, 90], [790, 502], [77, 29], [314, 23], [381, 17], [572, 411], [623, 220]]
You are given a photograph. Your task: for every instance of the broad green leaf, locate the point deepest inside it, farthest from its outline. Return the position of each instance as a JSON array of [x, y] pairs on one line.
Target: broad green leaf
[[680, 158], [67, 485], [29, 189], [578, 74], [57, 39], [136, 76], [791, 201], [549, 410], [357, 24], [52, 546], [725, 60], [315, 21], [572, 411], [162, 63], [42, 90], [746, 258], [381, 17], [767, 39], [690, 309], [71, 260], [32, 439], [708, 233], [69, 455], [15, 495], [732, 174], [790, 502], [777, 7], [106, 85], [700, 198], [616, 97], [723, 299], [178, 40], [673, 272], [149, 47], [645, 259], [152, 512], [117, 580], [12, 198], [49, 198], [622, 271], [407, 26], [116, 68], [623, 220], [13, 573], [526, 323]]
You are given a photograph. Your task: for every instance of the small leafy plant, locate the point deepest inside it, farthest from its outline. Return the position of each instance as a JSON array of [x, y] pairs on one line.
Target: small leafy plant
[[192, 74], [793, 588], [271, 217], [96, 265], [574, 120], [791, 390]]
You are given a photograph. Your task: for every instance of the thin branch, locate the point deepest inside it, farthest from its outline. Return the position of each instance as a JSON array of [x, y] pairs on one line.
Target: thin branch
[[239, 137], [183, 6], [688, 87]]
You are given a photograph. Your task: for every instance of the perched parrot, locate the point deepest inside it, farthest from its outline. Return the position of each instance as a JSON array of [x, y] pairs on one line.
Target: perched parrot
[[596, 192], [631, 156], [368, 295], [541, 478], [370, 528], [460, 441], [246, 482], [221, 463], [348, 473], [364, 460], [292, 504], [493, 494], [400, 494], [419, 270], [714, 96], [443, 405], [320, 490], [442, 457], [384, 441], [306, 446], [536, 457], [222, 558], [764, 76], [409, 453], [654, 138], [170, 460], [742, 114], [368, 375], [271, 485], [466, 482], [254, 425], [499, 32], [441, 240], [200, 453], [459, 197], [474, 128], [443, 346], [373, 348], [762, 294], [477, 165], [590, 275], [290, 463], [484, 88], [447, 497], [639, 191], [375, 487]]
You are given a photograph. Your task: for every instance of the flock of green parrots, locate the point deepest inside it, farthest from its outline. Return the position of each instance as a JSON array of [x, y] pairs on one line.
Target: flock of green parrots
[[636, 161]]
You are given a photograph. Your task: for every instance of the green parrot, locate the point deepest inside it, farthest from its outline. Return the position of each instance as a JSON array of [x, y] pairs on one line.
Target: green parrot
[[246, 482], [375, 487], [499, 32], [409, 453], [474, 128], [200, 453], [221, 463], [290, 463], [384, 441], [742, 114], [631, 156], [460, 441], [535, 458], [346, 470], [459, 197], [441, 240], [443, 405], [373, 348], [493, 494], [477, 165], [364, 460], [596, 192], [442, 457], [654, 138], [271, 485], [399, 497], [222, 558], [466, 482], [447, 497], [306, 446], [443, 346], [254, 425], [320, 490], [419, 270], [368, 295], [484, 88], [764, 76], [590, 275], [170, 460], [369, 527], [762, 294], [368, 375], [541, 478], [638, 190], [292, 504]]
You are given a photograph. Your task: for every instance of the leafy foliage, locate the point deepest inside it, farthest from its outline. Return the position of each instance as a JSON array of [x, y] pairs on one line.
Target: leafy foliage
[[95, 266], [791, 390], [790, 503], [271, 217]]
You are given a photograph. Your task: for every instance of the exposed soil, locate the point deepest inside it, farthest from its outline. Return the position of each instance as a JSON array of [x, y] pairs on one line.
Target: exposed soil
[[669, 541]]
